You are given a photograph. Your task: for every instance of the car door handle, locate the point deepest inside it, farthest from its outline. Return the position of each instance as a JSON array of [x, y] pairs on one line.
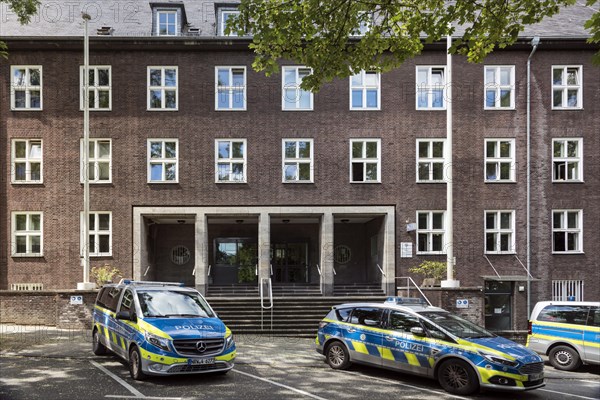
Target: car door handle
[[351, 330], [389, 338]]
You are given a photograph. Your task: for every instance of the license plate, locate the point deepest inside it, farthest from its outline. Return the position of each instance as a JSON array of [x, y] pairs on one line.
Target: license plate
[[201, 361], [536, 377]]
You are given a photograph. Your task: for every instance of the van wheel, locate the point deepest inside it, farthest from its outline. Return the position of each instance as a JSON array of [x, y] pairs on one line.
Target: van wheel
[[97, 347], [337, 356], [457, 377], [135, 364], [564, 358]]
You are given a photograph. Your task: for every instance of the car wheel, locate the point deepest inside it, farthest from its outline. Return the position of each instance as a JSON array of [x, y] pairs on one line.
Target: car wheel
[[564, 358], [337, 356], [135, 364], [97, 347], [457, 377]]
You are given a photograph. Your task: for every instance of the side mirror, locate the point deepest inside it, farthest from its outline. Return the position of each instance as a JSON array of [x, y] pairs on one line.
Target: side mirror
[[127, 316], [417, 331]]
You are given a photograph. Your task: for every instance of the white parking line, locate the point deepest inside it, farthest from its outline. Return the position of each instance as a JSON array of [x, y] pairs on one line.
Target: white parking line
[[582, 380], [568, 394], [126, 385], [302, 392]]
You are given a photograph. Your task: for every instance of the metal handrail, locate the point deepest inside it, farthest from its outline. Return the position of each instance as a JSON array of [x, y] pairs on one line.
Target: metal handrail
[[271, 265], [209, 269], [319, 270], [264, 307], [410, 280], [194, 271], [334, 272], [381, 269], [256, 270], [147, 269]]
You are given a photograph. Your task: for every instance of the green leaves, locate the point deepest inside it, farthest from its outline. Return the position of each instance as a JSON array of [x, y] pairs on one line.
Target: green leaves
[[24, 10]]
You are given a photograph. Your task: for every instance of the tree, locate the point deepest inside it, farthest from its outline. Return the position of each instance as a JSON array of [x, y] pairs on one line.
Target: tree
[[24, 10], [325, 35]]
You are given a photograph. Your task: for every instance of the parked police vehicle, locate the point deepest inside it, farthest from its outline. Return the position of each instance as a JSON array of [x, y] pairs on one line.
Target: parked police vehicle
[[161, 328], [411, 336], [568, 332]]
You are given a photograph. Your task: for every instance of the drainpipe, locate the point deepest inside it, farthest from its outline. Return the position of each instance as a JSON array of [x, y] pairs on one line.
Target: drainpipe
[[534, 42]]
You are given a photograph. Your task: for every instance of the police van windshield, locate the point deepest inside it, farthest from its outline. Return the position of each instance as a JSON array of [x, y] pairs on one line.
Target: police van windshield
[[170, 303], [456, 325]]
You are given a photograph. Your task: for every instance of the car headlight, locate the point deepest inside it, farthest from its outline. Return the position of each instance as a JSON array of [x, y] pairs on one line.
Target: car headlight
[[229, 341], [157, 341], [493, 358]]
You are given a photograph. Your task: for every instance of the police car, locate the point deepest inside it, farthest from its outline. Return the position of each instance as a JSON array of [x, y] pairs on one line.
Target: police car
[[160, 328], [411, 336]]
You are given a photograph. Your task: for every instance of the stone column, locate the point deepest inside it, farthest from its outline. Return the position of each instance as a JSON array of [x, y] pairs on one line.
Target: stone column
[[326, 261], [201, 253], [389, 255], [264, 246], [140, 248]]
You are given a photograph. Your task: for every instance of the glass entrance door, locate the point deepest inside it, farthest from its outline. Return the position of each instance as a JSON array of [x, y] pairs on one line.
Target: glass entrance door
[[235, 261], [498, 305], [290, 262]]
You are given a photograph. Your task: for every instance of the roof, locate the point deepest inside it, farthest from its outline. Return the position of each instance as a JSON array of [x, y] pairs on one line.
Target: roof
[[392, 306], [133, 19]]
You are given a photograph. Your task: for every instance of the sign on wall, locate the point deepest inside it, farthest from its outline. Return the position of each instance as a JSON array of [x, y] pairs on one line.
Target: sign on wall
[[76, 300], [406, 249], [462, 303]]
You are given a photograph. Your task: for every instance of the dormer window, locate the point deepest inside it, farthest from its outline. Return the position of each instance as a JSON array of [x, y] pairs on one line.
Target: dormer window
[[166, 21], [224, 14]]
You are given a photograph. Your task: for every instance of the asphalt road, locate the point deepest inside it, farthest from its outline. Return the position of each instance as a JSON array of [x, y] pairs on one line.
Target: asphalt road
[[63, 367]]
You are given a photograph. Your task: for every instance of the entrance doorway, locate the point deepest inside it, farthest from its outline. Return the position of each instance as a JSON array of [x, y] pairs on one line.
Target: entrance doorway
[[290, 262], [498, 305], [235, 261]]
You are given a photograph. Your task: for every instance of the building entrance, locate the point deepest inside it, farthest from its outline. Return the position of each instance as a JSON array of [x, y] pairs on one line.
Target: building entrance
[[290, 262], [498, 305], [235, 261]]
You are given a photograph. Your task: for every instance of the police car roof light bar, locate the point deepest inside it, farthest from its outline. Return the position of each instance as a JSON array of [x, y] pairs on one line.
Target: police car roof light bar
[[149, 283], [406, 300]]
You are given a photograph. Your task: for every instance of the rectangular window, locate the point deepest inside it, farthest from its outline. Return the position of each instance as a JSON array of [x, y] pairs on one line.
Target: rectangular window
[[365, 91], [230, 160], [430, 232], [295, 98], [230, 93], [163, 160], [567, 290], [430, 160], [99, 88], [166, 23], [431, 88], [365, 22], [298, 160], [224, 16], [567, 87], [500, 232], [26, 87], [499, 87], [365, 160], [100, 161], [100, 237], [162, 88], [567, 160], [499, 160], [27, 164], [567, 231], [27, 234]]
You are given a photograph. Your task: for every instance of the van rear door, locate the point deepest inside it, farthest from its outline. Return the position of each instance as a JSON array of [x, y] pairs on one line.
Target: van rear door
[[591, 337]]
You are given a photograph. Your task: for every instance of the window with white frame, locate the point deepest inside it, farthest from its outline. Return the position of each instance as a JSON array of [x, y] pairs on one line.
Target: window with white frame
[[365, 22], [26, 88], [430, 160], [27, 164], [431, 88], [230, 93], [166, 23], [27, 233], [100, 161], [99, 88], [365, 91], [365, 160], [294, 97], [567, 87], [565, 290], [230, 160], [499, 87], [567, 160], [100, 233], [297, 160], [500, 232], [225, 14], [499, 160], [162, 88], [163, 160], [567, 234], [430, 232]]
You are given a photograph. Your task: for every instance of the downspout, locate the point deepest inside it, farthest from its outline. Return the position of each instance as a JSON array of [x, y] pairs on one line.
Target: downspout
[[534, 42]]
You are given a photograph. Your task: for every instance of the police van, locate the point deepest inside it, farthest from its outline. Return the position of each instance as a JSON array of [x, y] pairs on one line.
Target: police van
[[416, 338], [160, 328], [568, 332]]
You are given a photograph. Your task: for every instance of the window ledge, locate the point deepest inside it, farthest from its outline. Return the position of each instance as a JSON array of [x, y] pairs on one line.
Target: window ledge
[[572, 181], [500, 182], [366, 182], [568, 252], [33, 255], [162, 182], [503, 253], [567, 108], [162, 109], [40, 183]]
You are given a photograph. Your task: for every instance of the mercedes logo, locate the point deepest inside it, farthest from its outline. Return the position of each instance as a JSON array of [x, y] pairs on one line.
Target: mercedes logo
[[201, 347]]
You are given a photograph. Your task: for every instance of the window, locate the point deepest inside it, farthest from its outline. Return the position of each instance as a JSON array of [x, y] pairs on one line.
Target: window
[[403, 322], [166, 23], [365, 91], [430, 232], [162, 88], [567, 234], [295, 98], [297, 160], [99, 88], [163, 160], [127, 302], [499, 87], [368, 316], [27, 231], [431, 88], [224, 15], [231, 88], [499, 160], [26, 88], [430, 160], [500, 232], [365, 22], [100, 161], [567, 160], [567, 87], [565, 290], [27, 161], [100, 237], [230, 160], [566, 314], [365, 160]]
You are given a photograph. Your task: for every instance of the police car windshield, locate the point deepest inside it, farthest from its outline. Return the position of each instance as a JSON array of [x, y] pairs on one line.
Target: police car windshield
[[166, 303], [456, 325]]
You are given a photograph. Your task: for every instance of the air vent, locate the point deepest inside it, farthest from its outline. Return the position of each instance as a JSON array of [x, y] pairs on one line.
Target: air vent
[[27, 286], [105, 31]]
